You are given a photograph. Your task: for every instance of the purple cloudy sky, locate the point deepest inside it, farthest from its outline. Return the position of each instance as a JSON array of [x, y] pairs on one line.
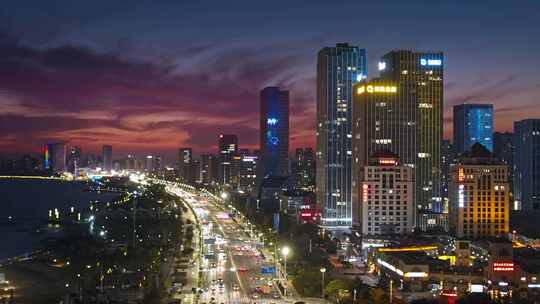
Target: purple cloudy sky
[[152, 76]]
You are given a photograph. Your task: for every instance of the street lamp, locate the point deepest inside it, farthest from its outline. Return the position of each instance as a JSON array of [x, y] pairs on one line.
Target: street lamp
[[323, 270], [224, 195], [285, 252]]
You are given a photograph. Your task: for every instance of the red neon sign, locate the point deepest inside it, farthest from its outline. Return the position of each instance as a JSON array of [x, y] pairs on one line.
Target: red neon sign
[[503, 266], [365, 192], [387, 162]]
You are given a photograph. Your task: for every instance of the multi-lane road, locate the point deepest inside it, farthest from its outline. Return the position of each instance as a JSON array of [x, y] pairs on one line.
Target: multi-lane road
[[232, 260]]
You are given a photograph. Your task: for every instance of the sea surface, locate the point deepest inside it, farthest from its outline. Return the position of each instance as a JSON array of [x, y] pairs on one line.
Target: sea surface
[[25, 205]]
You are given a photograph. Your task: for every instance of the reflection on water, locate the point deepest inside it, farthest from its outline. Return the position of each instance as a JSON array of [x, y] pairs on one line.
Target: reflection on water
[[24, 209]]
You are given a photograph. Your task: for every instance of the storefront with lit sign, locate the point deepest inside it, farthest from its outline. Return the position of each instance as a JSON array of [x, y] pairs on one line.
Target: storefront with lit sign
[[503, 266], [407, 272]]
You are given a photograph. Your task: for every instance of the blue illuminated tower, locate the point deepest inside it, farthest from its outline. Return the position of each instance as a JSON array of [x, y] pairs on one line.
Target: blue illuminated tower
[[274, 133], [338, 69], [473, 123]]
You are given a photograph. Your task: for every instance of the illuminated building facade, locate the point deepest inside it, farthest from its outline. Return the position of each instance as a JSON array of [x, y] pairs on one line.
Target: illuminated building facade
[[503, 149], [228, 148], [274, 133], [247, 170], [414, 128], [527, 163], [386, 194], [186, 165], [409, 270], [473, 123], [338, 69], [447, 157], [373, 104], [55, 155], [107, 158], [304, 168], [479, 195], [74, 159], [209, 169]]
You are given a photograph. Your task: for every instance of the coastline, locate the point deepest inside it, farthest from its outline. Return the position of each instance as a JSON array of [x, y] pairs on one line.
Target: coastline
[[34, 237], [26, 203]]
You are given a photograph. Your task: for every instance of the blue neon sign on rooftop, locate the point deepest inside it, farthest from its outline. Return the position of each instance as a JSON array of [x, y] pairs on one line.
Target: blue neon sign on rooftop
[[430, 62]]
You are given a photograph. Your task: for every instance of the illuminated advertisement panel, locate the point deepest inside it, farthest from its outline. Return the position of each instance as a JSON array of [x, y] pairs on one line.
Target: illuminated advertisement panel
[[503, 266]]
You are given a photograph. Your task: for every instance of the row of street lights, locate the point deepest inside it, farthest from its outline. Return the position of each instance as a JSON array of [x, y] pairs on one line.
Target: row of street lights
[[285, 251]]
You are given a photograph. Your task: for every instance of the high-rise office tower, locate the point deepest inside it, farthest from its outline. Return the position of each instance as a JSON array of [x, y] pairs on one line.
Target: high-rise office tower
[[158, 163], [107, 158], [149, 163], [473, 123], [247, 170], [74, 159], [308, 168], [503, 149], [527, 164], [209, 166], [447, 157], [185, 164], [304, 168], [274, 133], [130, 162], [419, 76], [195, 172], [479, 195], [375, 106], [296, 167], [228, 148], [401, 111], [338, 69], [55, 157]]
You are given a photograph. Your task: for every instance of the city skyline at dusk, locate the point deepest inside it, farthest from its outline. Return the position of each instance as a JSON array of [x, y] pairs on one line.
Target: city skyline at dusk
[[152, 77], [282, 152]]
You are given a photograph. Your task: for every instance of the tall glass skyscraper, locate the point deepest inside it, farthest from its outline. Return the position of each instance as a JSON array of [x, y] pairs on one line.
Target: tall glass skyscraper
[[415, 127], [473, 123], [228, 148], [527, 163], [55, 157], [274, 133], [107, 158], [338, 69], [503, 149]]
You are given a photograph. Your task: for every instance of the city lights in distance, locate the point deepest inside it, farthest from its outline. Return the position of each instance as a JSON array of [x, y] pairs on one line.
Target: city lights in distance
[[376, 89], [382, 65]]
